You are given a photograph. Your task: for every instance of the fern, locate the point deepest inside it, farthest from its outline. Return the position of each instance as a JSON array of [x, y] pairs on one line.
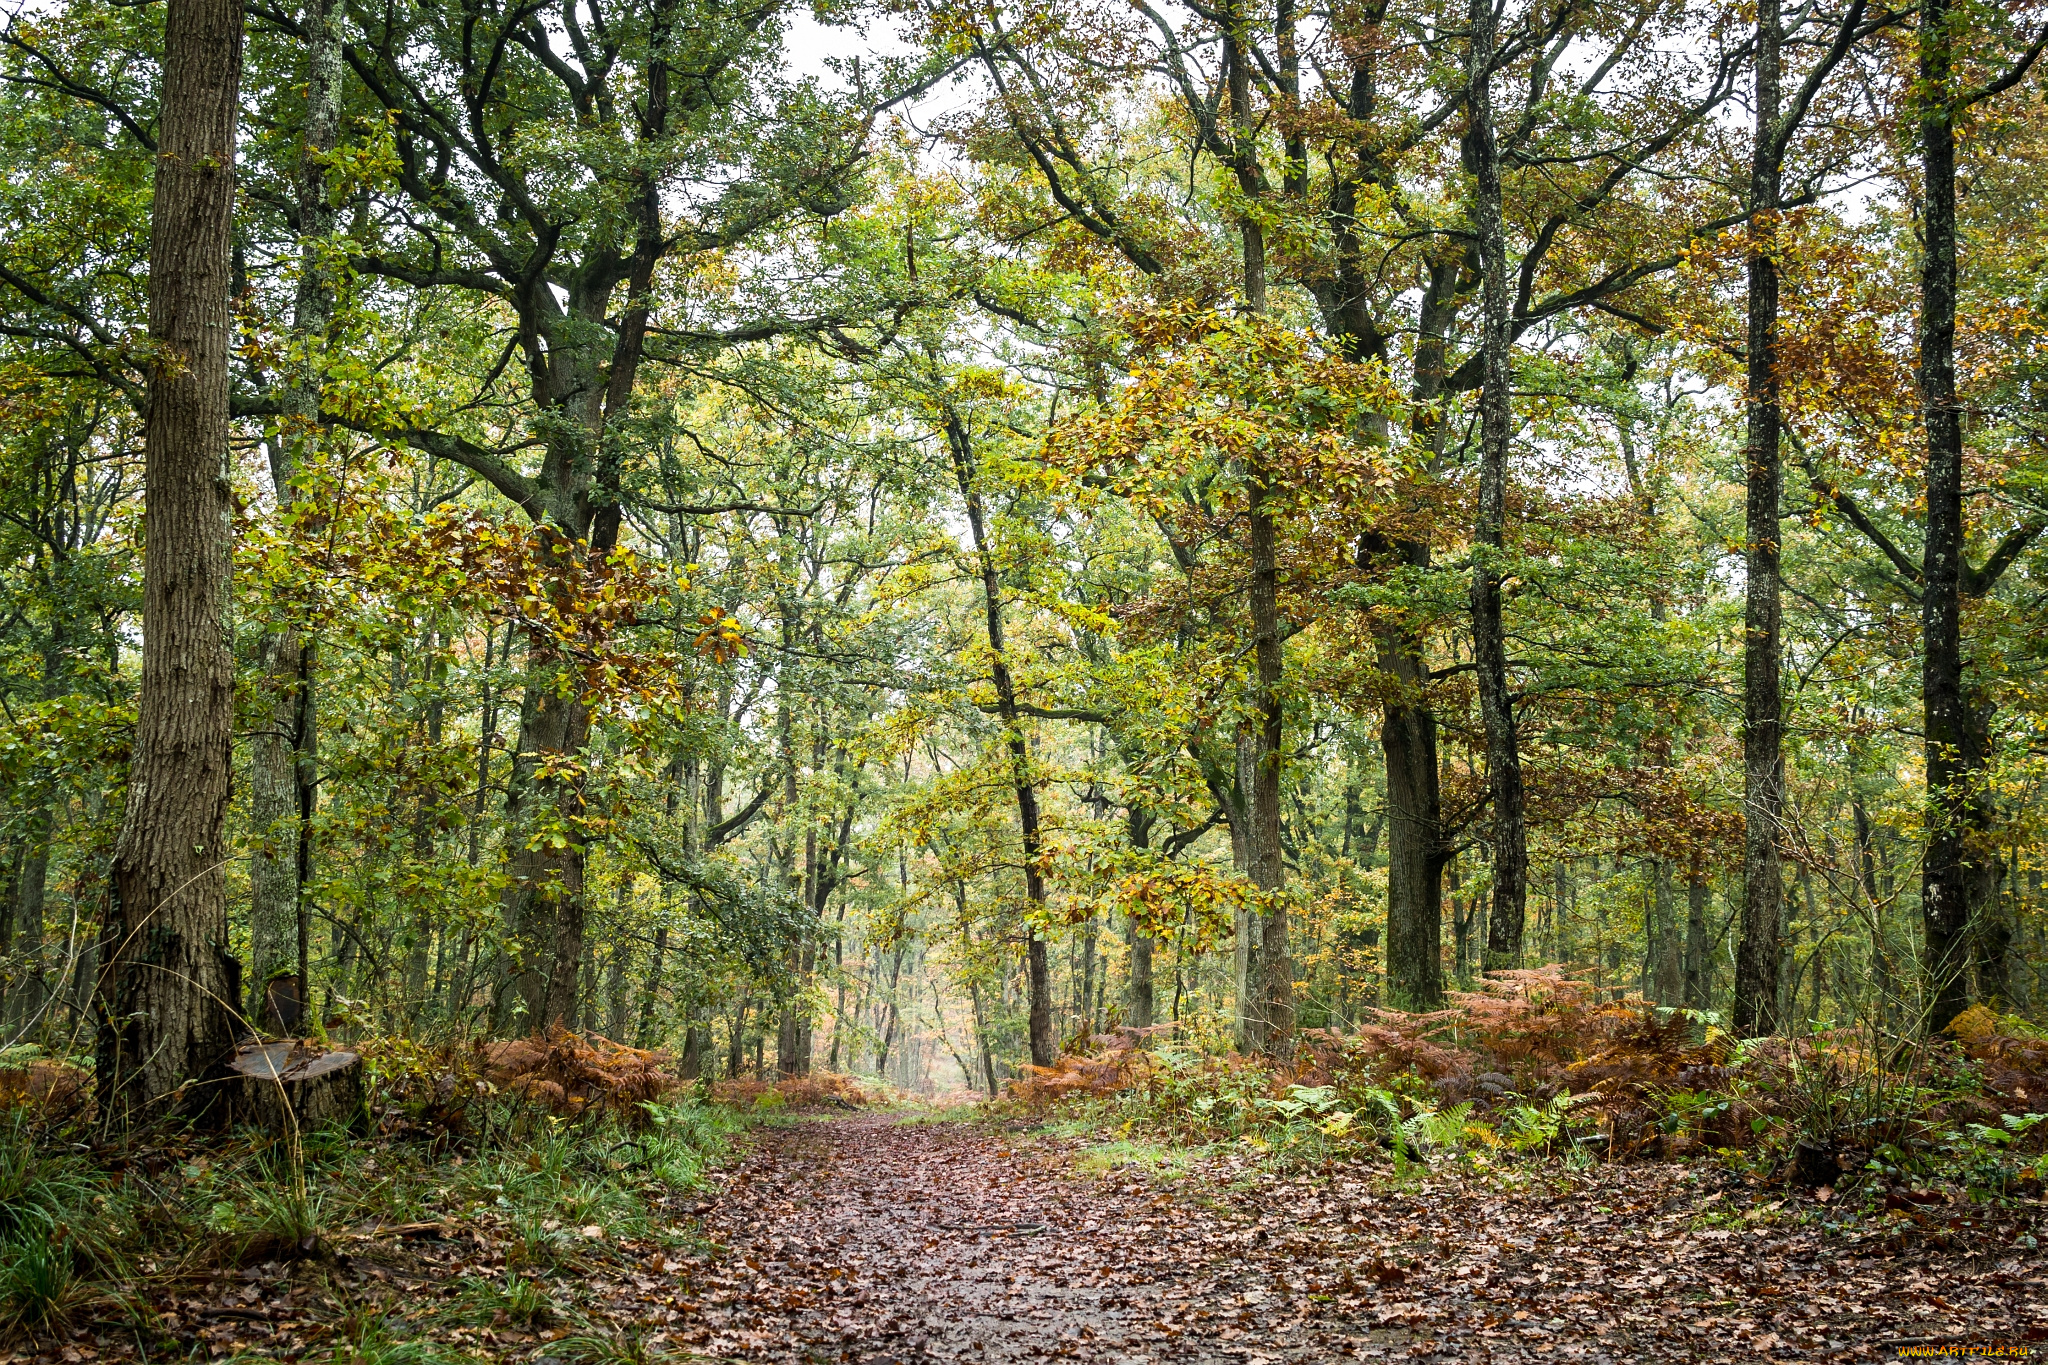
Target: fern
[[1438, 1129], [1529, 1128]]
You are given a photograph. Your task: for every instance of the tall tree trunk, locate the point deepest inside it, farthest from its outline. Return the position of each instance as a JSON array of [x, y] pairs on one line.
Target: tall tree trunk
[[1951, 761], [1044, 1046], [1667, 968], [1416, 852], [544, 893], [581, 384], [282, 749], [988, 1059], [644, 1034], [1143, 1004], [1883, 976], [167, 985], [1489, 645], [696, 1042], [1418, 841], [1763, 759], [1698, 971], [736, 1042], [1269, 1022]]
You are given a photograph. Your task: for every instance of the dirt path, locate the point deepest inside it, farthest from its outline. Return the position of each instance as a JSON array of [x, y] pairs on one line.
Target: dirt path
[[869, 1240]]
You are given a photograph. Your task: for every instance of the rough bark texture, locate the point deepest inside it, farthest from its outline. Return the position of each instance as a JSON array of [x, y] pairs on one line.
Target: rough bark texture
[[168, 987], [544, 900], [1489, 644], [1044, 1046], [1416, 852], [1763, 762]]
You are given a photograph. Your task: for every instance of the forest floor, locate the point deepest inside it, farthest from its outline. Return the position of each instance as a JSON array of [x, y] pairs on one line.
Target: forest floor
[[871, 1239], [954, 1235]]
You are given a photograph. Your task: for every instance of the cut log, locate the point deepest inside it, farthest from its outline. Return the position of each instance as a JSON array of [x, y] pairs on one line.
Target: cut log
[[296, 1084]]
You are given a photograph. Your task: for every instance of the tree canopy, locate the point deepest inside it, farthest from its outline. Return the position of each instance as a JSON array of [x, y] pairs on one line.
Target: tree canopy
[[897, 538]]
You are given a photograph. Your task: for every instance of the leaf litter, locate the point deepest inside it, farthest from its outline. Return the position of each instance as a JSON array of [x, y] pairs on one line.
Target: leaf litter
[[868, 1240], [865, 1240]]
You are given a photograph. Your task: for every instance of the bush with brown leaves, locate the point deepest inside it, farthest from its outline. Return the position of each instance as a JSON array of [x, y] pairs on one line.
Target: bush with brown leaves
[[573, 1074], [47, 1089], [819, 1090]]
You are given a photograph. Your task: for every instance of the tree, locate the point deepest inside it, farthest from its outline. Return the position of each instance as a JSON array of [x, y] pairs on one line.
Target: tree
[[168, 987], [1489, 648], [1763, 762], [283, 752], [1959, 875]]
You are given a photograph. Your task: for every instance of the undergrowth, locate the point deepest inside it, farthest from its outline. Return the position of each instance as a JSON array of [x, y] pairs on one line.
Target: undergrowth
[[1536, 1070], [540, 1186]]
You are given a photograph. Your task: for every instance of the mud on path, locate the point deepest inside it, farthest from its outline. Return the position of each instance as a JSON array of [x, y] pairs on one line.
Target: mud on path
[[870, 1240]]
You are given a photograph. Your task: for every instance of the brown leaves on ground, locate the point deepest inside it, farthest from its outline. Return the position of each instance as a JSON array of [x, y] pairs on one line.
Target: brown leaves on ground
[[867, 1240], [872, 1242]]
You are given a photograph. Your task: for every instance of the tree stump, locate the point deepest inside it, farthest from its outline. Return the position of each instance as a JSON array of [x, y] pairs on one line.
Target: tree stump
[[294, 1084]]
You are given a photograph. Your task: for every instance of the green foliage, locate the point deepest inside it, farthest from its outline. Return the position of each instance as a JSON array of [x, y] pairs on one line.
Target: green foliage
[[37, 1280], [1534, 1128]]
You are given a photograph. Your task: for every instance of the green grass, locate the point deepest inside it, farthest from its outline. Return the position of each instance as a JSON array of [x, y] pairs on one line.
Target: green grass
[[952, 1113], [1155, 1159], [555, 1198]]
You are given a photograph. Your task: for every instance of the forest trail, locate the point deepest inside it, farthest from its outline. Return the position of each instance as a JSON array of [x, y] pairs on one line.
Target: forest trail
[[872, 1240]]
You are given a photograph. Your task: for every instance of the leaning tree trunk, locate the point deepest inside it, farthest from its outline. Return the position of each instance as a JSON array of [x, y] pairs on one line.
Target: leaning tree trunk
[[1044, 1046], [1763, 760], [1489, 644], [168, 986]]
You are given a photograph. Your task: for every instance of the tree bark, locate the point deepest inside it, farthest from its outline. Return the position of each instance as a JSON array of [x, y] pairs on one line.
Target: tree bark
[[1044, 1046], [1489, 646], [1763, 762], [543, 898], [168, 987], [1416, 851], [1667, 967], [1418, 840], [1950, 762], [1698, 971]]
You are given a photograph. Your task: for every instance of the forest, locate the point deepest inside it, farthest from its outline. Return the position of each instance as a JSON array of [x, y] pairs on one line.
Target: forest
[[1043, 554]]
